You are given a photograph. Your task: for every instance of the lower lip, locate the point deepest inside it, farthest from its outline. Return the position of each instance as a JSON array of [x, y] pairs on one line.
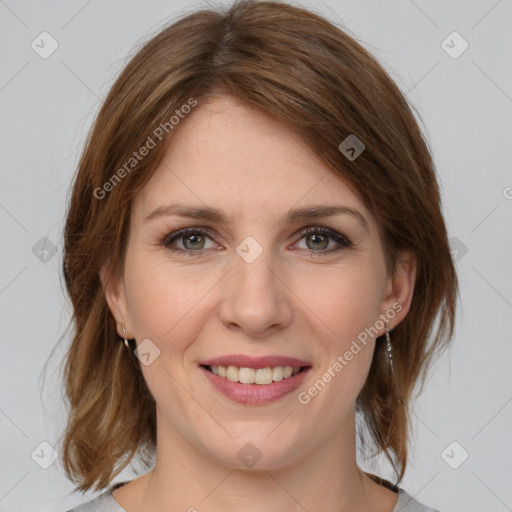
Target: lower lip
[[255, 394]]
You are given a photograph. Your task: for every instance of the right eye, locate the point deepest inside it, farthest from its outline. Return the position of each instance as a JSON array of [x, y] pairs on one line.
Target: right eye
[[192, 240]]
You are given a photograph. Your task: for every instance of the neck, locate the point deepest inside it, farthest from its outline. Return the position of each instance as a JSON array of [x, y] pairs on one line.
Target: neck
[[184, 478]]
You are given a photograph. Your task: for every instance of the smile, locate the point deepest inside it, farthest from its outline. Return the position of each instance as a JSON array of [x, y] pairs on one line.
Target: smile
[[261, 376]]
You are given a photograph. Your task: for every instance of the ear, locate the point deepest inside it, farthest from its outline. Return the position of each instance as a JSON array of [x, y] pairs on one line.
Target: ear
[[400, 288], [115, 296]]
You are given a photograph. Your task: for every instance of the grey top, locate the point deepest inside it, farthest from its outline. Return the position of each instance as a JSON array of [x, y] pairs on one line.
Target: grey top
[[106, 503]]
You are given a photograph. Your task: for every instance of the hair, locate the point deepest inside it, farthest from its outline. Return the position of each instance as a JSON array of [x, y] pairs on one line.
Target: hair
[[299, 68]]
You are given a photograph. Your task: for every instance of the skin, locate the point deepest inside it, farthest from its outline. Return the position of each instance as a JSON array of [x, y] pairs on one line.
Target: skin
[[296, 299]]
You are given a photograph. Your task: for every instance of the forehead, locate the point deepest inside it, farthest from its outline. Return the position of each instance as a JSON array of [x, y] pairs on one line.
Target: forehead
[[230, 156]]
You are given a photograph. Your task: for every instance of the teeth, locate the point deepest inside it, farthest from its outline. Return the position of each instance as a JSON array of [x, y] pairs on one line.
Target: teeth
[[255, 376], [263, 376], [232, 373], [277, 373], [245, 375]]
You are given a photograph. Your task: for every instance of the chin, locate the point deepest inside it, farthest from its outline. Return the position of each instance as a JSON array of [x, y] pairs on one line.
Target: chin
[[255, 455]]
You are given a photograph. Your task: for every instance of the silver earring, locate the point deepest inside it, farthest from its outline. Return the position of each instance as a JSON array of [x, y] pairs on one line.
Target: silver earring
[[126, 342], [389, 350]]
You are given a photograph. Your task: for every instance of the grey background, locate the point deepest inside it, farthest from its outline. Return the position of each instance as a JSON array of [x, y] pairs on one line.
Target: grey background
[[47, 106]]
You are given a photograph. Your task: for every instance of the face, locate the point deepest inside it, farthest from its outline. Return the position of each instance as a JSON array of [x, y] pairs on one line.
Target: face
[[253, 286]]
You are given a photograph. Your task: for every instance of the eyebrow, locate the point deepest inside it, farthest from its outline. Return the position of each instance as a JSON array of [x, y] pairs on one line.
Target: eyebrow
[[208, 214]]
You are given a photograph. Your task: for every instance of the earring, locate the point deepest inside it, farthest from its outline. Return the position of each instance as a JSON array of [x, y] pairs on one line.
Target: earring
[[389, 349], [126, 342]]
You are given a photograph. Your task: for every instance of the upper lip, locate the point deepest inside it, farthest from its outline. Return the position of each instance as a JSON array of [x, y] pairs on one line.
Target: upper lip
[[243, 361]]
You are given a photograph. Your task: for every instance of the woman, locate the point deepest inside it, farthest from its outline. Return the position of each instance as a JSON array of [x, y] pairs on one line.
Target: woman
[[255, 251]]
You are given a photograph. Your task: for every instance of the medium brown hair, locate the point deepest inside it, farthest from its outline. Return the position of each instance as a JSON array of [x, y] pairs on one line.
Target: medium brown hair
[[299, 68]]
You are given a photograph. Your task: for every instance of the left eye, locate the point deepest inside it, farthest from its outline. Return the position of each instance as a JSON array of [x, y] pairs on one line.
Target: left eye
[[319, 238]]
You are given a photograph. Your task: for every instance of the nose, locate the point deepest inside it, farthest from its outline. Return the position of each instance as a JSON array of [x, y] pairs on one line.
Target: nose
[[256, 298]]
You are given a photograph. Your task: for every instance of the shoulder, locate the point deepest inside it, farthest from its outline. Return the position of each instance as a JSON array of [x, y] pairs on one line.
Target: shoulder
[[407, 503], [104, 502]]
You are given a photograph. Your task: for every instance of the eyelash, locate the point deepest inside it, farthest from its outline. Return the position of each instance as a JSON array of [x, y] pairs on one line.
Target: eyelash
[[344, 242]]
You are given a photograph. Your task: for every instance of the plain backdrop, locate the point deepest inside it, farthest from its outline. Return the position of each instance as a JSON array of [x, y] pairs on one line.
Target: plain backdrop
[[460, 456]]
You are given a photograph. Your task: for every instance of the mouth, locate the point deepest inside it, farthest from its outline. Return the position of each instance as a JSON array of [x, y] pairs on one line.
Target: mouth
[[255, 380], [261, 376]]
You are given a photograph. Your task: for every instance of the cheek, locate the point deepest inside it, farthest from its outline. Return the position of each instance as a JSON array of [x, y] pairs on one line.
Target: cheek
[[348, 306], [164, 298], [344, 302]]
